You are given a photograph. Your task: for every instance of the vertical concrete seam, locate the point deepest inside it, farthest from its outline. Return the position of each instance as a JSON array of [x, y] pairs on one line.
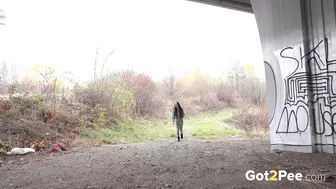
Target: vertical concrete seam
[[305, 33], [326, 53], [335, 10], [317, 117]]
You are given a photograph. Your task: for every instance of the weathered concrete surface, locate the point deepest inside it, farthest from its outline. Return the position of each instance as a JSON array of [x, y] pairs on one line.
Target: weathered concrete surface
[[298, 42], [240, 5]]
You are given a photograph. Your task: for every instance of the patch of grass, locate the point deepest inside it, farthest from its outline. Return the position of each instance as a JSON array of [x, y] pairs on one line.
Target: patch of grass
[[210, 124], [203, 125], [137, 131]]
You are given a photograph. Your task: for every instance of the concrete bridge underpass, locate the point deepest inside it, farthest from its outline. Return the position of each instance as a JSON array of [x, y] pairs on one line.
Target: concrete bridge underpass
[[298, 39]]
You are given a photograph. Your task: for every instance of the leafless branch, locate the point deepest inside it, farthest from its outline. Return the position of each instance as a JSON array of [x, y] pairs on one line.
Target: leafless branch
[[102, 68], [95, 66]]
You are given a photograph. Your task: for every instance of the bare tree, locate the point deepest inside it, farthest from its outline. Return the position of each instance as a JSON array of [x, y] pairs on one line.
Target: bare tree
[[95, 66], [236, 76], [172, 86], [102, 67], [249, 87], [15, 73], [3, 72], [3, 77], [2, 17]]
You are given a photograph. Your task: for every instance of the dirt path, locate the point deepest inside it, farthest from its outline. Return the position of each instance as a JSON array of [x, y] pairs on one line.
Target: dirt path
[[190, 164]]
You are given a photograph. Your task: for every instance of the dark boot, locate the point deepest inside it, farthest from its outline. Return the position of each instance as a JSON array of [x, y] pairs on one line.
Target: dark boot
[[178, 139], [182, 136]]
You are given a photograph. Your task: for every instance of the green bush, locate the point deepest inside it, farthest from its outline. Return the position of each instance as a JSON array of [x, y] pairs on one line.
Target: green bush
[[111, 99], [3, 146], [101, 118], [25, 104]]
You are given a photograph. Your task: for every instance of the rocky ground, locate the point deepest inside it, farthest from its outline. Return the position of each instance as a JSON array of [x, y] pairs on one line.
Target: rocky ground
[[192, 163]]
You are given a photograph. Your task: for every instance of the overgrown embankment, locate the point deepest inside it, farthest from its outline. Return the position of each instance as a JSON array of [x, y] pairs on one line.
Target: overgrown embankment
[[40, 110]]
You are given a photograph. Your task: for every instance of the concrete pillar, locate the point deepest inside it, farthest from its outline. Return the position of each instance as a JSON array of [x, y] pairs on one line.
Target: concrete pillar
[[298, 40]]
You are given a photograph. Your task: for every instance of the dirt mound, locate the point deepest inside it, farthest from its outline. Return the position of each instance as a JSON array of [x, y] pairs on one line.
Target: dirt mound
[[25, 119], [15, 131]]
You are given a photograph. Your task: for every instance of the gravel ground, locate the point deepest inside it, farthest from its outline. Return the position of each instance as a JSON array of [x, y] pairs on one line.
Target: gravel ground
[[192, 163]]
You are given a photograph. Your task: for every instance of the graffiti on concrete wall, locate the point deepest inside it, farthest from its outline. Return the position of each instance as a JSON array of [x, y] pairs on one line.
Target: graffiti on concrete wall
[[312, 84]]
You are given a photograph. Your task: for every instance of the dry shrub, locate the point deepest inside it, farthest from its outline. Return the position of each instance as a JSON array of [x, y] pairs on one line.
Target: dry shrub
[[4, 105], [87, 95], [144, 91], [149, 101], [254, 91], [3, 88], [212, 103], [227, 94], [31, 117], [110, 95], [191, 105], [158, 107], [194, 105], [74, 115], [252, 118], [27, 106], [123, 95], [15, 130]]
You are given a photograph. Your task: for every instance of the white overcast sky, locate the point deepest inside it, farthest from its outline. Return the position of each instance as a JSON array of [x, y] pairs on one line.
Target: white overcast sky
[[149, 36]]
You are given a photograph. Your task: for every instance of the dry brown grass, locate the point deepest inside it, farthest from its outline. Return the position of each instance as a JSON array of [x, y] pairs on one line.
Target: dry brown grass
[[251, 118], [32, 118], [87, 142]]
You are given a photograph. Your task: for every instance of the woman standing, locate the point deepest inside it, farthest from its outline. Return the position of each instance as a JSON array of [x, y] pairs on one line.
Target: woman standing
[[178, 115]]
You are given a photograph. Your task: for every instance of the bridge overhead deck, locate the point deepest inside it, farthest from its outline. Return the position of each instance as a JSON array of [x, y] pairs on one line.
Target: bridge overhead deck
[[240, 5]]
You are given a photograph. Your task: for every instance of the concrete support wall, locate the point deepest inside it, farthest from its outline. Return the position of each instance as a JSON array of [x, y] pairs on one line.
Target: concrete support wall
[[298, 40]]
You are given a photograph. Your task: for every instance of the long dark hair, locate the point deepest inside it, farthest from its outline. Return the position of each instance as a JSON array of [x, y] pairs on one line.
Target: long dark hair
[[179, 106], [176, 108], [179, 109]]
